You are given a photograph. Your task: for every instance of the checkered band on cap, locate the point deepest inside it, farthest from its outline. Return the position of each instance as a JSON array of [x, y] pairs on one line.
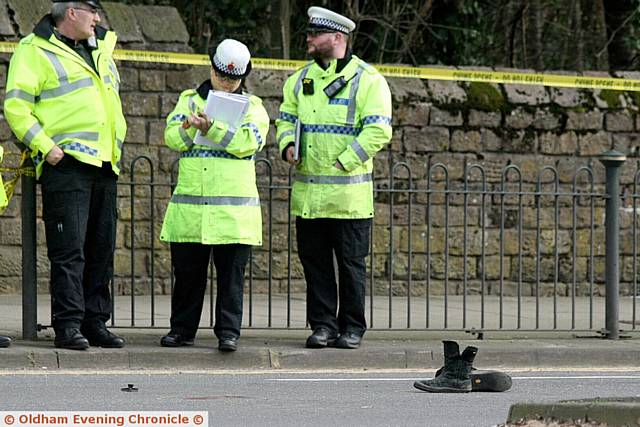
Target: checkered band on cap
[[321, 18], [327, 23], [229, 68]]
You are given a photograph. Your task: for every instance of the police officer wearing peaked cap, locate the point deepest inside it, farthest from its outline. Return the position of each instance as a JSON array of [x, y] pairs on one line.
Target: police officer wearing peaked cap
[[342, 106], [63, 103], [215, 209]]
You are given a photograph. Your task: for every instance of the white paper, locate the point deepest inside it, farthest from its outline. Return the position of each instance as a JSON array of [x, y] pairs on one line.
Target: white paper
[[297, 142], [229, 108]]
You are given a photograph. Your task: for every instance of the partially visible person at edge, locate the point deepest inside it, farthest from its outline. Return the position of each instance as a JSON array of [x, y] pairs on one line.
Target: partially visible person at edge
[[4, 341], [344, 108], [215, 209], [62, 103]]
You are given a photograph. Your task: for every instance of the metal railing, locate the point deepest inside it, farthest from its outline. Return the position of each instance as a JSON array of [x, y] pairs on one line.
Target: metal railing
[[478, 251]]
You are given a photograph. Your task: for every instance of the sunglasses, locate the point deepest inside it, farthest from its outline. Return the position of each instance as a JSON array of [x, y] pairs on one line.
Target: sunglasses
[[315, 33]]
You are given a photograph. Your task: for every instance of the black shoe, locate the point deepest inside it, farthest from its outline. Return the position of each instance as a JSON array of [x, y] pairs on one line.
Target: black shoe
[[70, 338], [348, 340], [495, 381], [320, 338], [173, 339], [227, 344], [5, 342], [101, 337]]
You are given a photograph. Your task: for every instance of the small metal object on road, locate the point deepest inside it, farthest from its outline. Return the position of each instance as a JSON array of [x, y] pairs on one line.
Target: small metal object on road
[[129, 388]]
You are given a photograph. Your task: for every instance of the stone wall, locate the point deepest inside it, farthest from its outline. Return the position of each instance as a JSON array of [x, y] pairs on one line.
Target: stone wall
[[437, 124]]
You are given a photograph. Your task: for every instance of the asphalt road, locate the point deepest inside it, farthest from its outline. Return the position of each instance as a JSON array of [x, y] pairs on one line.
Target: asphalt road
[[322, 398]]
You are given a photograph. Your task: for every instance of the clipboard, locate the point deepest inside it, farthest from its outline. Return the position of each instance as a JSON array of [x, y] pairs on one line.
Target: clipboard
[[296, 142], [229, 108]]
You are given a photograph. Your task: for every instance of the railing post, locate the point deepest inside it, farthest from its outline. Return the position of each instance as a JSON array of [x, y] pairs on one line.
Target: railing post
[[612, 160], [29, 272]]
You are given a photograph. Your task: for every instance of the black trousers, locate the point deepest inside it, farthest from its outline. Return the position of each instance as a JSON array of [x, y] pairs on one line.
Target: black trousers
[[318, 241], [190, 266], [79, 212]]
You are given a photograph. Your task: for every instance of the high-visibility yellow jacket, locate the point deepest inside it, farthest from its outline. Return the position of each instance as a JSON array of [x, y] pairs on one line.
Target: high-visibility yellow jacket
[[350, 127], [216, 199], [3, 196], [55, 97]]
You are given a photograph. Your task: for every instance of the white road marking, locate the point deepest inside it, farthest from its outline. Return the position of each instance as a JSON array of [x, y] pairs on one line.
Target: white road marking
[[568, 377]]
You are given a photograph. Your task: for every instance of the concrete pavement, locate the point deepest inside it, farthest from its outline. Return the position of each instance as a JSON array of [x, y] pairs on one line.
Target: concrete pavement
[[280, 348]]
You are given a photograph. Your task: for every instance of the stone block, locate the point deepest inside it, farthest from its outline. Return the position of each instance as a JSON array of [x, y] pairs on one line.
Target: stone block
[[545, 119], [552, 143], [155, 20], [412, 114], [426, 139], [627, 143], [140, 104], [446, 92], [594, 144], [26, 14], [567, 97], [128, 79], [518, 119], [6, 28], [136, 131], [590, 120], [152, 81], [156, 132], [490, 141], [404, 90], [167, 104], [266, 83], [10, 261], [484, 119], [526, 94], [618, 122], [466, 141], [445, 118], [123, 21]]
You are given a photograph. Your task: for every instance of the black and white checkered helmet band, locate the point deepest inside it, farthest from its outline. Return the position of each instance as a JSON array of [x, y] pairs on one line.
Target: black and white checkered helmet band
[[228, 68], [327, 23]]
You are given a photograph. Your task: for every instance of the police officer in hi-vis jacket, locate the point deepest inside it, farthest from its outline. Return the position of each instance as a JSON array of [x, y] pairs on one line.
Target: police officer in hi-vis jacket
[[215, 209], [342, 108], [63, 104]]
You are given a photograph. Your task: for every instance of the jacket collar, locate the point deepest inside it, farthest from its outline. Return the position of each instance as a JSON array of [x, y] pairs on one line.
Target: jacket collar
[[340, 62]]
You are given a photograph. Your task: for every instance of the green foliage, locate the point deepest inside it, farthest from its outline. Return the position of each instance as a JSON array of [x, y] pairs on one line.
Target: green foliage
[[484, 96]]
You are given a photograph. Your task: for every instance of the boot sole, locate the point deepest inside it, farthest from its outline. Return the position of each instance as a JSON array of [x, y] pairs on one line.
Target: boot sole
[[425, 387], [490, 381]]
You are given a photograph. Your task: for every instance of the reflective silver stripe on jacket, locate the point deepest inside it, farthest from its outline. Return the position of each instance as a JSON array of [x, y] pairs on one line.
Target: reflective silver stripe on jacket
[[87, 136], [215, 200], [302, 75], [285, 134], [21, 94], [327, 179], [193, 107], [355, 145], [351, 112], [185, 137], [65, 86], [31, 133], [226, 139]]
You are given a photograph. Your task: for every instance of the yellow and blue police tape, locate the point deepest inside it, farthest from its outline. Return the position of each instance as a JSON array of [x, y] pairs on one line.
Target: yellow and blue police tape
[[428, 73]]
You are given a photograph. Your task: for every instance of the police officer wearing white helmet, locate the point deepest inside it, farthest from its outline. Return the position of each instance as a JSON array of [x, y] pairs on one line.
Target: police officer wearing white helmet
[[343, 108], [215, 209]]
